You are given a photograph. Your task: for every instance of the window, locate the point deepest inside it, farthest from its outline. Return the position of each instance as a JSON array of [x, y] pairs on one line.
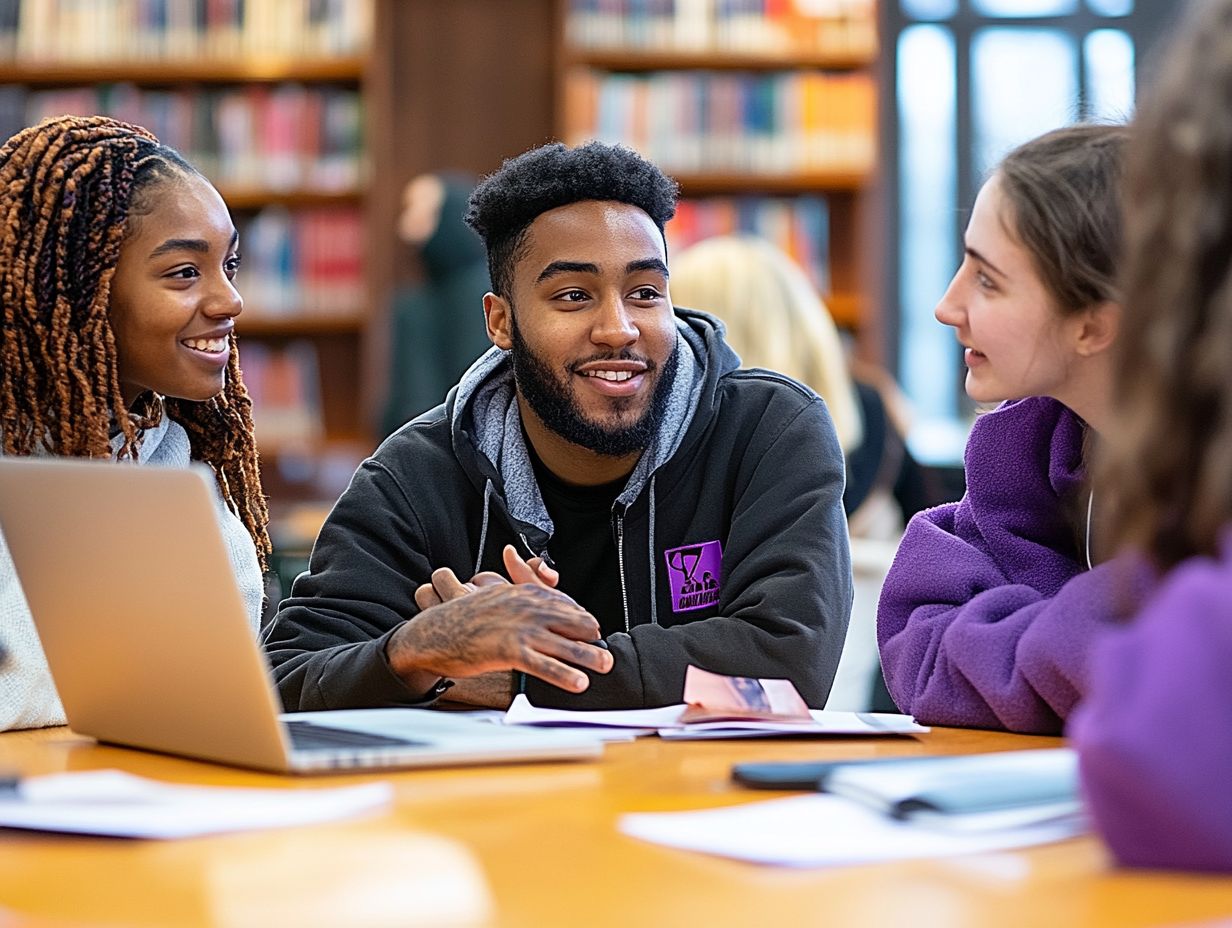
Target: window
[[972, 79]]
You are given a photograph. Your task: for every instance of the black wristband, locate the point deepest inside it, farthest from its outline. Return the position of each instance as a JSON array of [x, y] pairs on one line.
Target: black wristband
[[438, 689]]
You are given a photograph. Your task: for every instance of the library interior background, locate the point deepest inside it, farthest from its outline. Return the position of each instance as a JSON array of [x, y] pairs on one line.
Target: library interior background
[[853, 134]]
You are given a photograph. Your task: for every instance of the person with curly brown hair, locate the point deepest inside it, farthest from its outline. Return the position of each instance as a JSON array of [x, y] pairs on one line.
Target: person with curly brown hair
[[1153, 734], [117, 261]]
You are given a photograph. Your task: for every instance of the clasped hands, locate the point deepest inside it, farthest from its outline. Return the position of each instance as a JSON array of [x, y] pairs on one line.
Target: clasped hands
[[490, 623]]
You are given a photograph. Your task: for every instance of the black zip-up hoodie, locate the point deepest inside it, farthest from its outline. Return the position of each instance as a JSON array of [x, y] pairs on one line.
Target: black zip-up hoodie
[[730, 532]]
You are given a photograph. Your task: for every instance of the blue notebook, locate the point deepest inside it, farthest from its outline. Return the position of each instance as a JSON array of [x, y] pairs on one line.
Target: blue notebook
[[975, 790]]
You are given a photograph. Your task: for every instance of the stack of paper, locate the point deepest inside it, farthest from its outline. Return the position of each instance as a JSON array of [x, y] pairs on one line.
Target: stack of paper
[[668, 722], [892, 809], [718, 706], [967, 792]]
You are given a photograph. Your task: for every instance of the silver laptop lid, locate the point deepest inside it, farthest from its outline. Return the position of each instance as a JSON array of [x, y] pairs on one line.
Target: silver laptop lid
[[140, 618]]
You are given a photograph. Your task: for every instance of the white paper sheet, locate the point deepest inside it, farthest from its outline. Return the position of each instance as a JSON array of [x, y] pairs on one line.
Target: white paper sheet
[[109, 802], [825, 722], [521, 712], [594, 733], [823, 831], [666, 721]]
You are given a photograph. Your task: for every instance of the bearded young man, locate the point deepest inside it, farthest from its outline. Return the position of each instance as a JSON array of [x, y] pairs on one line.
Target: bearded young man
[[653, 505]]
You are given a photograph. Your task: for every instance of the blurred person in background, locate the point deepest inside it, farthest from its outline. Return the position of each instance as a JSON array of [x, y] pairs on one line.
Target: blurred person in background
[[776, 320], [436, 330], [989, 612], [1154, 733]]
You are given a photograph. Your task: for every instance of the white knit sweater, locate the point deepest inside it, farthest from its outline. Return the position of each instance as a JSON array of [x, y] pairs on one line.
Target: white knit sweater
[[28, 697]]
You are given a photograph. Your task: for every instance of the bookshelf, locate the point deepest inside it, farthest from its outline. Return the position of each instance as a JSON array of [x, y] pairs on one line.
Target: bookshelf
[[764, 111], [458, 85], [640, 59], [499, 79], [59, 73], [264, 97]]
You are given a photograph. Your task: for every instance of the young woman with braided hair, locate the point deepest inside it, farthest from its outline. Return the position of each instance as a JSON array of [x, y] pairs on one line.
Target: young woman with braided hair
[[117, 261]]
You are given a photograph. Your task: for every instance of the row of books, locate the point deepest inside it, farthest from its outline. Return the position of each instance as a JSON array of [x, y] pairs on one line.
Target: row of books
[[282, 137], [799, 226], [284, 382], [773, 27], [695, 121], [306, 262], [178, 30], [311, 261]]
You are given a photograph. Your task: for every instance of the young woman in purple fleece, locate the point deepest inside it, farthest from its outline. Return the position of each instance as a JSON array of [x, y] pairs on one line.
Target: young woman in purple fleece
[[987, 615], [1154, 732]]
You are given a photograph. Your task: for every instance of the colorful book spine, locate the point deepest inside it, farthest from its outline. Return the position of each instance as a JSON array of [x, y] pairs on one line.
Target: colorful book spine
[[846, 28], [800, 226], [284, 383], [285, 137], [306, 262], [177, 30], [788, 122]]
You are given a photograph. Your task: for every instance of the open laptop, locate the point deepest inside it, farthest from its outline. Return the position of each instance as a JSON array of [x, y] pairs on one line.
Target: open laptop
[[148, 640]]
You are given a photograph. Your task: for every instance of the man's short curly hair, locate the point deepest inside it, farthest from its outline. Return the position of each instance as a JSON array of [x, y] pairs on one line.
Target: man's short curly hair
[[505, 204]]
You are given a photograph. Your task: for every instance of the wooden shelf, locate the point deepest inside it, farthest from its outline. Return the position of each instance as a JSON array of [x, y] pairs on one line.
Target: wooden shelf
[[256, 325], [695, 185], [249, 198], [198, 71], [635, 59], [845, 309], [340, 442]]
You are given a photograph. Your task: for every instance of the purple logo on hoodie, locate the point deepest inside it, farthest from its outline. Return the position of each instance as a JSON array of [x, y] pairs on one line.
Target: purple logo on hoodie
[[695, 574]]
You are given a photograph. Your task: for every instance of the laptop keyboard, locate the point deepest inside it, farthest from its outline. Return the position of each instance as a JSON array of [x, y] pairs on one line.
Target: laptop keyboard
[[308, 736]]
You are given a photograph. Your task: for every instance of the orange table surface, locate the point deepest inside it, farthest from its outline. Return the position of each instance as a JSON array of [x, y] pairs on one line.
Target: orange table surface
[[537, 845]]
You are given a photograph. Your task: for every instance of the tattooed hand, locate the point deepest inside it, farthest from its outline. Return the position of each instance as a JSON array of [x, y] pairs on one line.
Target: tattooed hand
[[494, 625], [488, 690]]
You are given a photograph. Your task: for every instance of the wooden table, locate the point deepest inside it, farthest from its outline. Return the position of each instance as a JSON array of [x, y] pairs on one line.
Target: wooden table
[[537, 845]]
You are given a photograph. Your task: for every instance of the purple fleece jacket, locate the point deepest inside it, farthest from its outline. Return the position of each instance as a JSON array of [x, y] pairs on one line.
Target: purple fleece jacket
[[987, 615], [1154, 732]]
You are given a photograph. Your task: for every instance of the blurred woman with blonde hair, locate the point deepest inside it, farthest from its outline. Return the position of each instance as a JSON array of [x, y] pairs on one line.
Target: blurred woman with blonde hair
[[776, 320], [774, 317]]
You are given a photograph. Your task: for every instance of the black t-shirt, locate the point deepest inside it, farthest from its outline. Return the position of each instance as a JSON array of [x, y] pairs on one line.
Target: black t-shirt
[[583, 547]]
